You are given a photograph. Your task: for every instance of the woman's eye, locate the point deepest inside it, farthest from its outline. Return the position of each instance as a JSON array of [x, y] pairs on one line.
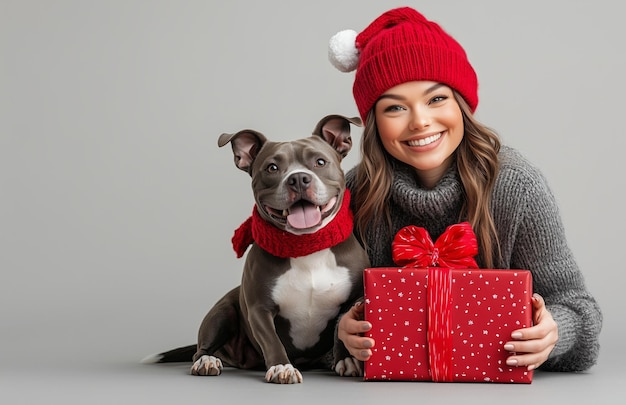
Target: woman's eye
[[438, 99], [393, 108], [271, 168], [320, 162]]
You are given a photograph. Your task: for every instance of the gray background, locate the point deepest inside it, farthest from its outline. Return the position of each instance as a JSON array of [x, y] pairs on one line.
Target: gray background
[[117, 206]]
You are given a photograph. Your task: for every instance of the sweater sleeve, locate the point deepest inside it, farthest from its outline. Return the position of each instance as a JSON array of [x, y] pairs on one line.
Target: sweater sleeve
[[540, 246]]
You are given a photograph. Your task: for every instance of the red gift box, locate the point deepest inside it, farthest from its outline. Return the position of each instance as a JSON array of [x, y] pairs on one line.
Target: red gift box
[[444, 324]]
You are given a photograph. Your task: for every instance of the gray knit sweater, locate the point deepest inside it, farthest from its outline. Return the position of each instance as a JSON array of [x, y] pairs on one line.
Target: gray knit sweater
[[531, 237]]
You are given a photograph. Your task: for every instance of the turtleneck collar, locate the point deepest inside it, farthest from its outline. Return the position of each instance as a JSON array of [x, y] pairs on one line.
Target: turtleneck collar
[[433, 203]]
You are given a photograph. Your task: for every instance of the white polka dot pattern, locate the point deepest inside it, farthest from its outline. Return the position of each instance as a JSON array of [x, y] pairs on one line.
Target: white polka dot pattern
[[485, 307]]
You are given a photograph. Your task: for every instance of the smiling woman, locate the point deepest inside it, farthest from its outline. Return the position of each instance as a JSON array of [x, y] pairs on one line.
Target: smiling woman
[[427, 161]]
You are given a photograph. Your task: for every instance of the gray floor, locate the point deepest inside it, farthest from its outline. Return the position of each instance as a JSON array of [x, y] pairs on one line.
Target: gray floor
[[110, 381]]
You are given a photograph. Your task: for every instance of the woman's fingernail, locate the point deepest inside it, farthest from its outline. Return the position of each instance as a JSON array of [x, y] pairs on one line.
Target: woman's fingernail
[[509, 347], [367, 344], [366, 326], [531, 367], [516, 335], [511, 362]]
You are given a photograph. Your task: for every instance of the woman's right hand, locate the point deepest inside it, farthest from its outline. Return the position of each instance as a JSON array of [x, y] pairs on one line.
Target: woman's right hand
[[350, 329]]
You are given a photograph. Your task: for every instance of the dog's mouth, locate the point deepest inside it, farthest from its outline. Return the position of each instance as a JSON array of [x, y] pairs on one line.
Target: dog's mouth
[[302, 214]]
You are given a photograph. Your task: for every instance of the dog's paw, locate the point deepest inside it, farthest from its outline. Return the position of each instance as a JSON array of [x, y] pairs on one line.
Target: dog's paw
[[283, 374], [207, 365], [349, 367]]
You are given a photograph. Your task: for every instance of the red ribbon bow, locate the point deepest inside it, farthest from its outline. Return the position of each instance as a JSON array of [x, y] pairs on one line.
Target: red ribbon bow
[[455, 248]]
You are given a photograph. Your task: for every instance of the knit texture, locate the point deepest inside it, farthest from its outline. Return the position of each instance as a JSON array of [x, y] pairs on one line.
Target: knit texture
[[531, 235], [281, 243], [402, 45]]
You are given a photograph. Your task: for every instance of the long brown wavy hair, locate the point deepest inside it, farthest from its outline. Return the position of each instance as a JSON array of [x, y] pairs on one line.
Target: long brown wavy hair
[[477, 163]]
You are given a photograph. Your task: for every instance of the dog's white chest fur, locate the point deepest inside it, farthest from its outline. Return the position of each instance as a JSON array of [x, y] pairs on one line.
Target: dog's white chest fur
[[310, 294]]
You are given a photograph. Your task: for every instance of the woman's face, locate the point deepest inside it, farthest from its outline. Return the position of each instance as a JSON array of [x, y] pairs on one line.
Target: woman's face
[[421, 124]]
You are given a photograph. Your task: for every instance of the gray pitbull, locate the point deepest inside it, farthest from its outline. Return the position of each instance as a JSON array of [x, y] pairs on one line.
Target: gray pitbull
[[303, 269]]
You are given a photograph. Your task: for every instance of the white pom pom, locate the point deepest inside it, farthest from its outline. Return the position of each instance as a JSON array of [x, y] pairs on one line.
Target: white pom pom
[[342, 51]]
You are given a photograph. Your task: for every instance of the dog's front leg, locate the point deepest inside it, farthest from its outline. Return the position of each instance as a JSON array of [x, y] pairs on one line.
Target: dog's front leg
[[279, 369]]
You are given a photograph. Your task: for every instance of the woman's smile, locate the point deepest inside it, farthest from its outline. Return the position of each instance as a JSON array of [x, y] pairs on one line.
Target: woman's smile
[[425, 141]]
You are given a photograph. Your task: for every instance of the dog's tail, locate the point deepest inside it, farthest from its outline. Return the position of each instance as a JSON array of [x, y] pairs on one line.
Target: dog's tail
[[179, 355]]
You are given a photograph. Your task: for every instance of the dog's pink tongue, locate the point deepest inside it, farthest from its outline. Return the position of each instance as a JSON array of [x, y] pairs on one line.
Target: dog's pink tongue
[[304, 216]]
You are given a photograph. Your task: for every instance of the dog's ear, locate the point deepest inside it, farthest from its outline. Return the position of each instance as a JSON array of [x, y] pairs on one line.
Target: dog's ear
[[246, 145], [335, 130]]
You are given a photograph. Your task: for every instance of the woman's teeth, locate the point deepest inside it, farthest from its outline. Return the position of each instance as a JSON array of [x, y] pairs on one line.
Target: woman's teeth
[[424, 141]]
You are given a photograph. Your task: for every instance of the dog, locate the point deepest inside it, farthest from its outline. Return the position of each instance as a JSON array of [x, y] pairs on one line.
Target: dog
[[303, 269]]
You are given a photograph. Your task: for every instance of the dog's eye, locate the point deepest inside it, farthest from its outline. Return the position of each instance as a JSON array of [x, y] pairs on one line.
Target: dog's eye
[[320, 162], [272, 168]]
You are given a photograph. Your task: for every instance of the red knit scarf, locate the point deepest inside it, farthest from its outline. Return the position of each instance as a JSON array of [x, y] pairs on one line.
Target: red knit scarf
[[284, 244]]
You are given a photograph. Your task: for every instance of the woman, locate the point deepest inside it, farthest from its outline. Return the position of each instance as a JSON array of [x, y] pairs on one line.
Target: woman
[[427, 161]]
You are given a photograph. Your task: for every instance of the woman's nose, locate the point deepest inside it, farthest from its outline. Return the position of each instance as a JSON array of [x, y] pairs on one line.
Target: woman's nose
[[420, 119]]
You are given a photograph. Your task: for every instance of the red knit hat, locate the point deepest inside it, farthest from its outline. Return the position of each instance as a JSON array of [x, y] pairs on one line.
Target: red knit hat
[[400, 46]]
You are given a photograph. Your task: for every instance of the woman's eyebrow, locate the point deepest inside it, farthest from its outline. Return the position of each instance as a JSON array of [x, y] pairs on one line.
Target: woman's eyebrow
[[429, 90], [434, 87], [391, 96]]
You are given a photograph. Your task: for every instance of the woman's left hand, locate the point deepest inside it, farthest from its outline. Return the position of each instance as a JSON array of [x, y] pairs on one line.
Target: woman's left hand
[[533, 345]]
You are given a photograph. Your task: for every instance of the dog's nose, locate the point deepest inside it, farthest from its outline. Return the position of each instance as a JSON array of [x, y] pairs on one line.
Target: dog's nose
[[299, 181]]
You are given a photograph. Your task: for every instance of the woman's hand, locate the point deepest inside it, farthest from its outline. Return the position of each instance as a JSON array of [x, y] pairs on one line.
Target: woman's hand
[[351, 326], [535, 343]]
